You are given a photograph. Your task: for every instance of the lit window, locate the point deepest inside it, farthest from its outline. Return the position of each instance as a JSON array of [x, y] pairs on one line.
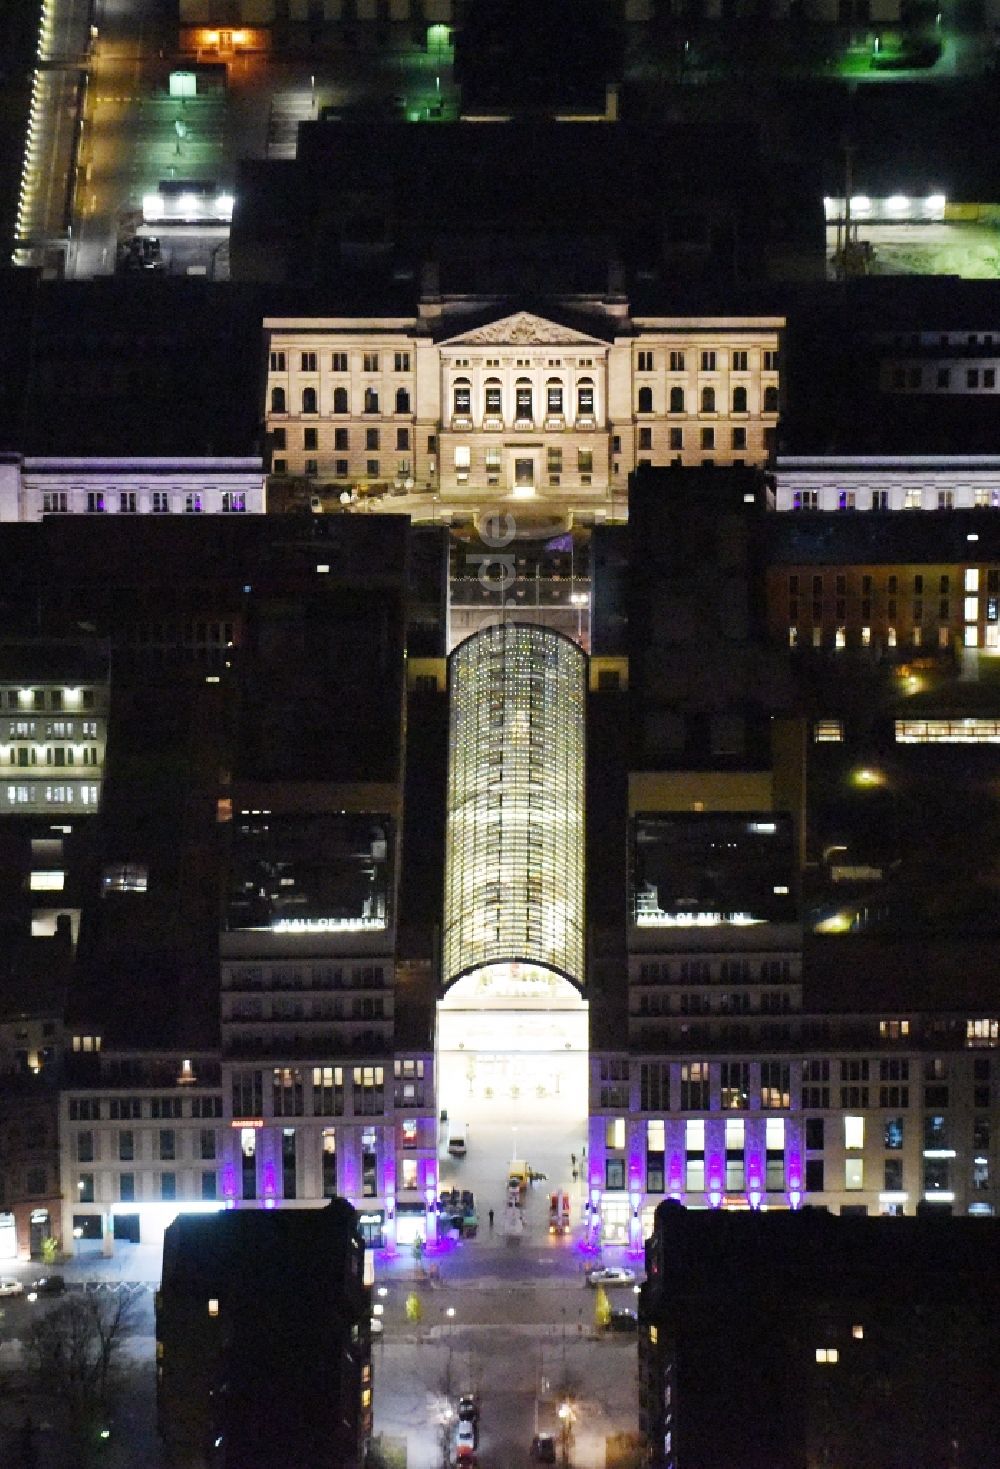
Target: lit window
[[854, 1173], [828, 1356], [858, 1332], [47, 882], [213, 1306], [828, 731], [615, 1133], [972, 579], [774, 1138], [126, 877], [854, 1132]]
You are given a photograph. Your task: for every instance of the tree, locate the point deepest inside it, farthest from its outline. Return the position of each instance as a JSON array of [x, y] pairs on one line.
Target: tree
[[602, 1309], [74, 1352], [414, 1310], [50, 1250]]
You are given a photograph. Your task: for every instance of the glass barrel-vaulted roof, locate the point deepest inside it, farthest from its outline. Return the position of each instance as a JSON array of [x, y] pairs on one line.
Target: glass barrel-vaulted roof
[[514, 868]]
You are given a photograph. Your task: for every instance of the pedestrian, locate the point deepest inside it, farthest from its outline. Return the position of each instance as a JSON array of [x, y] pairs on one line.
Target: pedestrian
[[491, 1218], [572, 1159]]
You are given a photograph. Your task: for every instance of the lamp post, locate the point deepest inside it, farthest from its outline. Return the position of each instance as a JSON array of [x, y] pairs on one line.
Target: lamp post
[[566, 1418]]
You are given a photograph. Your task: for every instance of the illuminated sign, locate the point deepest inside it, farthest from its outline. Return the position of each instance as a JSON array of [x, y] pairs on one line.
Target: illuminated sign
[[654, 919], [247, 1122], [323, 925]]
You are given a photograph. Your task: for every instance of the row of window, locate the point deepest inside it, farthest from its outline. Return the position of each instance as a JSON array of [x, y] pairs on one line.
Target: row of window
[[708, 400], [913, 378], [705, 971], [33, 795], [125, 1109], [309, 401], [339, 361], [57, 502], [970, 581], [676, 361], [166, 1145], [913, 499], [166, 1182], [523, 398], [341, 439], [709, 438]]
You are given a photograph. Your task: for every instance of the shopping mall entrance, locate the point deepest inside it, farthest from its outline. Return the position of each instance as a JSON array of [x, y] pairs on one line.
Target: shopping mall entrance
[[512, 1078]]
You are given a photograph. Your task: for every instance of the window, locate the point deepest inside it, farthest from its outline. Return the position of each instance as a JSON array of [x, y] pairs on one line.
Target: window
[[645, 400], [585, 398], [645, 438], [740, 361], [554, 465], [286, 1091], [310, 438], [676, 438], [462, 396], [209, 1184], [328, 1091], [341, 439], [708, 400], [206, 1143], [85, 1188], [676, 400], [815, 1129], [854, 1173], [463, 462], [233, 502], [402, 400], [340, 400], [614, 1133], [735, 1084], [739, 400], [371, 438], [677, 362], [739, 438], [735, 1169], [694, 1149], [168, 1185], [814, 1175], [85, 1147], [311, 467], [127, 502], [280, 466], [329, 1162], [770, 361], [972, 377], [695, 1086], [892, 1175], [771, 400], [369, 362], [493, 397], [95, 502], [308, 400], [126, 1187], [854, 1133], [307, 362], [371, 400], [168, 1143], [277, 362], [614, 1173], [402, 438], [401, 362], [775, 1084], [708, 438], [708, 362], [645, 362], [126, 1145], [55, 502], [338, 362], [585, 463]]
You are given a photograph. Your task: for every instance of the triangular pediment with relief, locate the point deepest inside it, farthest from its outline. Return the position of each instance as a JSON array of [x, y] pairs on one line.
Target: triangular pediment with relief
[[523, 329]]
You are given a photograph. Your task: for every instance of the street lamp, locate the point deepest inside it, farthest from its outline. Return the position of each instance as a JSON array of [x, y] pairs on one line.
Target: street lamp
[[566, 1419]]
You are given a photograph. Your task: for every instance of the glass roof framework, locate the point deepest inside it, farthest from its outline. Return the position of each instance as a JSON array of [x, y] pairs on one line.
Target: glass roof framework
[[514, 870]]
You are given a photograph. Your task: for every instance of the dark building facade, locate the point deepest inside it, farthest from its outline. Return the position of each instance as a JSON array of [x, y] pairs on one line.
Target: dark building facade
[[799, 1339], [263, 1348]]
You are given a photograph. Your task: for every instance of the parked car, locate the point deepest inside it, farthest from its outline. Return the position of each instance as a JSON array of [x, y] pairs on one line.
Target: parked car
[[623, 1321], [611, 1275], [10, 1287], [468, 1408], [49, 1285], [543, 1448], [376, 1326], [465, 1443]]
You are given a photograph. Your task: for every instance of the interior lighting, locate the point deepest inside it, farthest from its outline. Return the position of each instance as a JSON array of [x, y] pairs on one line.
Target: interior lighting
[[861, 204], [897, 204], [152, 206], [936, 203]]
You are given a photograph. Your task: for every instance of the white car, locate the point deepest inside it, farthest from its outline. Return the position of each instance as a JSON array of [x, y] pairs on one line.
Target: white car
[[465, 1436], [376, 1326], [10, 1287], [611, 1275]]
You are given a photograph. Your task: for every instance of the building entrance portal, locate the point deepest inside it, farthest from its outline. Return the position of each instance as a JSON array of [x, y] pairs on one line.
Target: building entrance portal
[[512, 1075]]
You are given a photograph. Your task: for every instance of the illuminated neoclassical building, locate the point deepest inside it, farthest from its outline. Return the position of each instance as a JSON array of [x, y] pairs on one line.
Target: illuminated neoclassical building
[[469, 403]]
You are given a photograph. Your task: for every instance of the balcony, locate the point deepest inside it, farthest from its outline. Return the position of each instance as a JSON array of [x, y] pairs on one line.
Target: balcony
[[554, 421], [460, 422], [493, 422], [585, 420], [524, 425]]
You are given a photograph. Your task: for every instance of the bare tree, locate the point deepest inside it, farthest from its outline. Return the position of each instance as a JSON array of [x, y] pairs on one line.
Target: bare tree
[[73, 1351]]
